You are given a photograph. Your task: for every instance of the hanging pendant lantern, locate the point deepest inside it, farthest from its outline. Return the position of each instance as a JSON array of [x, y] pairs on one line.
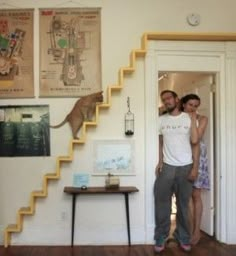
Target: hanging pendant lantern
[[129, 120]]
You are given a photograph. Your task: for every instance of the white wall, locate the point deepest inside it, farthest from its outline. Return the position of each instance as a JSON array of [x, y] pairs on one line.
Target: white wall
[[99, 220]]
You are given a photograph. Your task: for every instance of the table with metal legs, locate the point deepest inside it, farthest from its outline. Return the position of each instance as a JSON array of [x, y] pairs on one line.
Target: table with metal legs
[[74, 191]]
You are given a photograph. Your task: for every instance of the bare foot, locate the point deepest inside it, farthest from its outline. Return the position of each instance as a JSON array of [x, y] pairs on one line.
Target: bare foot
[[195, 238]]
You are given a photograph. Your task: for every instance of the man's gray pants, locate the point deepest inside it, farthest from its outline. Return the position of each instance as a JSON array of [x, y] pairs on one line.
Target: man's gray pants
[[172, 180]]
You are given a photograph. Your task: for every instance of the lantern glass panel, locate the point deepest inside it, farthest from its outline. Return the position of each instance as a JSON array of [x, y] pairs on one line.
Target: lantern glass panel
[[129, 123]]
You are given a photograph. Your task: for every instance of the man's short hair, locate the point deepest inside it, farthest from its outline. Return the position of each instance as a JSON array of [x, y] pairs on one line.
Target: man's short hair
[[174, 94]]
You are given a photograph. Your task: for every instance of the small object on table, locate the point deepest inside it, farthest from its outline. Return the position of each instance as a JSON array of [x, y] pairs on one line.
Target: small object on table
[[112, 181]]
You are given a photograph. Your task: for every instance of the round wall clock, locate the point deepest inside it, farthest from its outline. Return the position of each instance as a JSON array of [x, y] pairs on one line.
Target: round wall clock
[[193, 19]]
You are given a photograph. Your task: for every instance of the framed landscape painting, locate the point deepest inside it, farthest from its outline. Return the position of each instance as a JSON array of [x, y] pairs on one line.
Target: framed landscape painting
[[114, 157]]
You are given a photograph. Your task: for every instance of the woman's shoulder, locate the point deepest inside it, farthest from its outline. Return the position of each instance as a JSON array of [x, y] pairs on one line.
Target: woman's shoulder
[[202, 119]]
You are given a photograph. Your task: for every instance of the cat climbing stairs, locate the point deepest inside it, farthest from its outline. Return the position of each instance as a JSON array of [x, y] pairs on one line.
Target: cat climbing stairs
[[30, 210]]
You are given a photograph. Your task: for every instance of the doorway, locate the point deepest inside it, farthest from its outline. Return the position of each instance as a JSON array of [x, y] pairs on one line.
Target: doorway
[[202, 84], [211, 53]]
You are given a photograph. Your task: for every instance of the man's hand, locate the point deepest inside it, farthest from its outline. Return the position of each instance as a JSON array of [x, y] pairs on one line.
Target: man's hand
[[193, 174], [159, 168]]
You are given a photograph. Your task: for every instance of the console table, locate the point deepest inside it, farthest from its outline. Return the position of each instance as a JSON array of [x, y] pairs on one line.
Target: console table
[[74, 191]]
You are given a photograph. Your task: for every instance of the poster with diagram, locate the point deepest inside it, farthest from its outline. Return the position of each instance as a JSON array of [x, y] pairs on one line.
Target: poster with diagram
[[70, 52], [16, 53]]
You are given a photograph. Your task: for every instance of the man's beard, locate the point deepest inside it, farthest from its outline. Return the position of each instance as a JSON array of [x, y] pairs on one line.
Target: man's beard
[[171, 109]]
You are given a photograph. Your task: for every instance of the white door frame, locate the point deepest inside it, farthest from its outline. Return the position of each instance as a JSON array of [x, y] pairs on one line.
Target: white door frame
[[153, 57]]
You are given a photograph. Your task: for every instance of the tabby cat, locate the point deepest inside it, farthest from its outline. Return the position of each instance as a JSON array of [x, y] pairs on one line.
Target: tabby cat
[[83, 110]]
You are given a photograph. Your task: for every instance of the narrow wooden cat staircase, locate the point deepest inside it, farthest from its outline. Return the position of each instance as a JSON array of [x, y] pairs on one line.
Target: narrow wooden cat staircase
[[29, 210]]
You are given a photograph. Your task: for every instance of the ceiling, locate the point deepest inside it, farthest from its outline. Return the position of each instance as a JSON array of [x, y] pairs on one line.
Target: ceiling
[[180, 81]]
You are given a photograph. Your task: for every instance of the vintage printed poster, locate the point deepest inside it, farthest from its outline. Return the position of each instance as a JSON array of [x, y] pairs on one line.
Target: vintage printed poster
[[70, 52], [16, 53]]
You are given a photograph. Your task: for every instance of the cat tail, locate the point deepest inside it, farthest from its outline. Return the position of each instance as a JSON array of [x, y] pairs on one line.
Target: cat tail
[[59, 125]]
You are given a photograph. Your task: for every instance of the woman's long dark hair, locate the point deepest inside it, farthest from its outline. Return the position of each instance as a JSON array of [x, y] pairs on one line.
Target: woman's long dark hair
[[188, 97]]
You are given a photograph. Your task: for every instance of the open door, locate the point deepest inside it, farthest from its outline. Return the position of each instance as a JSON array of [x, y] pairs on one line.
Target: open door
[[204, 90], [206, 108]]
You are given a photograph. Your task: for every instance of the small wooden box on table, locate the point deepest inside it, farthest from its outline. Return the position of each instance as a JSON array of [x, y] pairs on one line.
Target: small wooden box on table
[[74, 191]]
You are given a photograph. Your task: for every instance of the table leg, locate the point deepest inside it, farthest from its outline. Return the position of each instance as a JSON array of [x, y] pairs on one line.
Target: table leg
[[73, 219], [127, 215]]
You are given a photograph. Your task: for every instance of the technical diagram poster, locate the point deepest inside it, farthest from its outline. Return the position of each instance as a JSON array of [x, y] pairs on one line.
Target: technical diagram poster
[[70, 52], [16, 53]]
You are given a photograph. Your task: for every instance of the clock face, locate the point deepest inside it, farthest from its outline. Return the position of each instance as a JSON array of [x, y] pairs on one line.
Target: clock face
[[193, 19]]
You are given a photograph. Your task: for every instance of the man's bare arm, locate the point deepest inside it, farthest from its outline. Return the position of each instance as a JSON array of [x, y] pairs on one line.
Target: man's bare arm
[[196, 154], [160, 161]]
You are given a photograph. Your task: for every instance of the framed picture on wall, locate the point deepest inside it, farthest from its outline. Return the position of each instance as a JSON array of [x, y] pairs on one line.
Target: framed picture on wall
[[114, 157], [70, 52], [24, 130], [16, 53]]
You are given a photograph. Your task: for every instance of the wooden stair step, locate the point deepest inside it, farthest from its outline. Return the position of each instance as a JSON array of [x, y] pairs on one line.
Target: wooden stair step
[[65, 158], [116, 87], [13, 228], [128, 70], [90, 123], [104, 105], [140, 53], [79, 141], [53, 175], [38, 193], [26, 210]]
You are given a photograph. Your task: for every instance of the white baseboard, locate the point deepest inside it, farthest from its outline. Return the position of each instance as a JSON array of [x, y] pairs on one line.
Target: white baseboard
[[62, 236], [231, 238], [150, 234]]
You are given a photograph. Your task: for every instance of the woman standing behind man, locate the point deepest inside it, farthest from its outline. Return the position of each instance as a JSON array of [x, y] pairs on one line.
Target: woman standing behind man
[[190, 104]]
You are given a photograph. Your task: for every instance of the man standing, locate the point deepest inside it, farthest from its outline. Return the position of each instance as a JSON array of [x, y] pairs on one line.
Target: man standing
[[175, 171]]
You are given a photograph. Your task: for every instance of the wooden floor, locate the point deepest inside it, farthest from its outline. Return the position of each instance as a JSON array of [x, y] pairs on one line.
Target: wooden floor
[[206, 247]]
